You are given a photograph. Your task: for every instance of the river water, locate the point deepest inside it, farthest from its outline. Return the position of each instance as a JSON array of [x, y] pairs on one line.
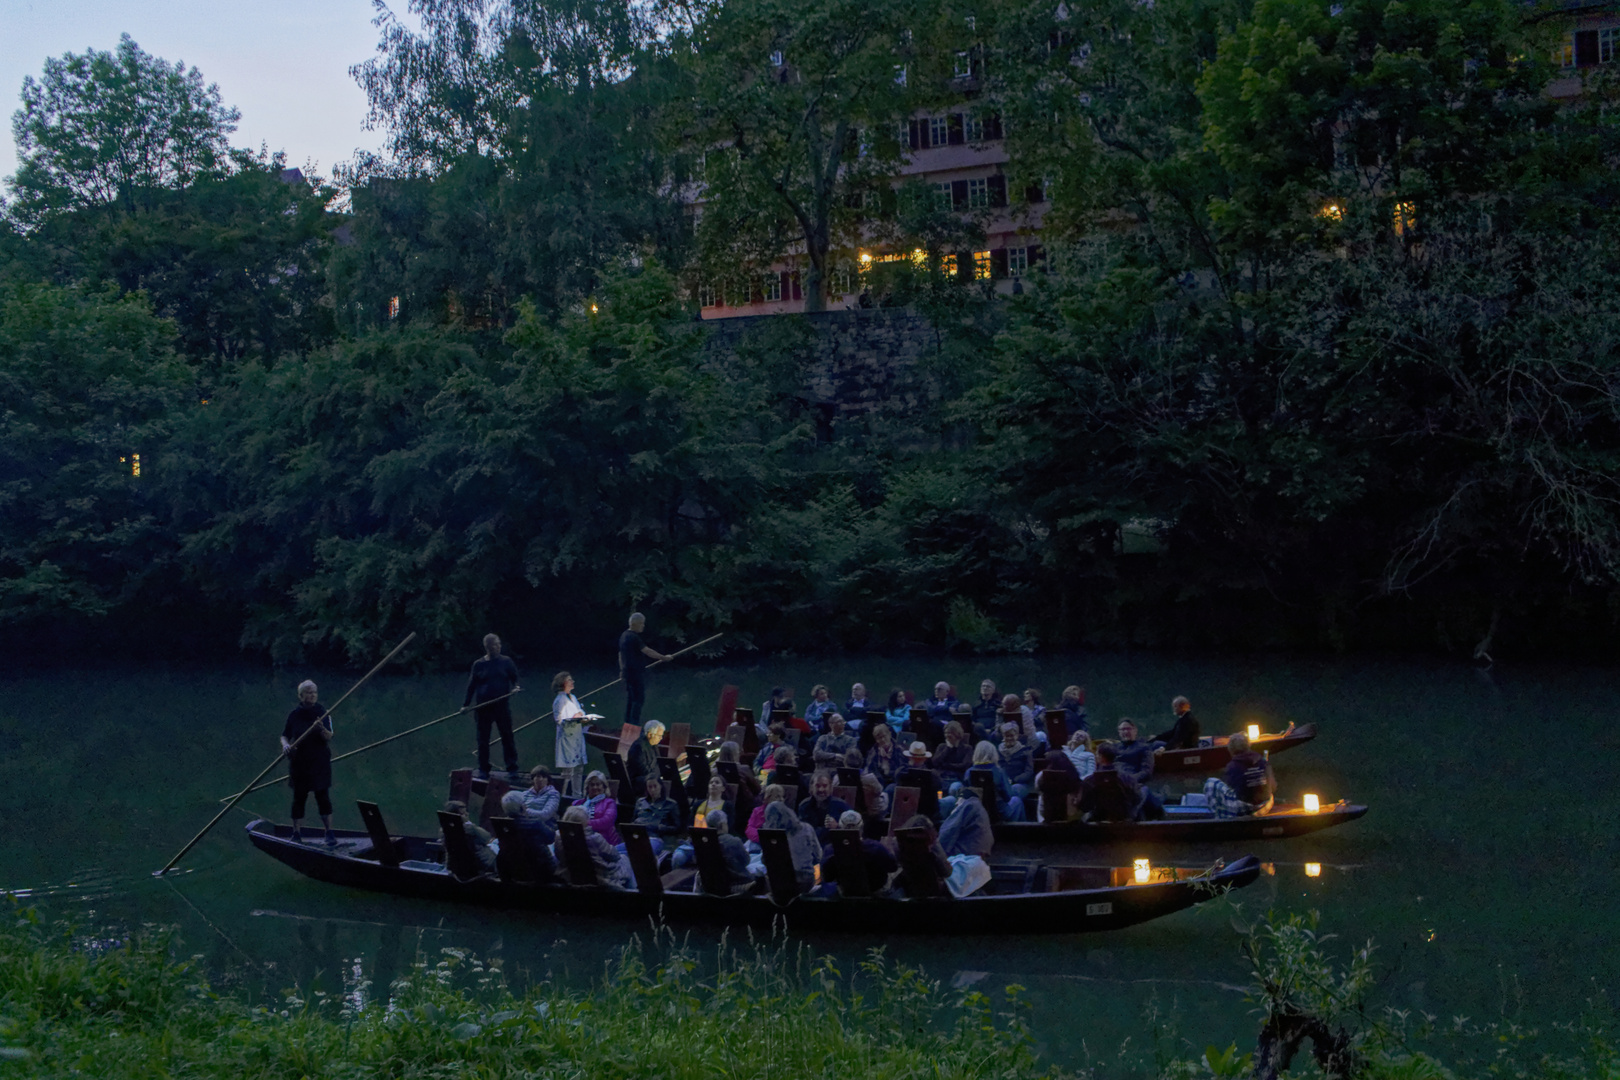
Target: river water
[[1484, 872]]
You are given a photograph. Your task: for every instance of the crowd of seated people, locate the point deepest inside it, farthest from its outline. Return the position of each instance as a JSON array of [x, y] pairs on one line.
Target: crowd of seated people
[[970, 764]]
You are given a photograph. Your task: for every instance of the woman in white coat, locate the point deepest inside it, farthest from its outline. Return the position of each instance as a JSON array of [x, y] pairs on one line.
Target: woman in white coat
[[571, 723]]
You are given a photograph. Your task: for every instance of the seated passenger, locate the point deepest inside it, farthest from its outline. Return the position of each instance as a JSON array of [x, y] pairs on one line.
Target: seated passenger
[[1034, 718], [773, 794], [820, 706], [821, 810], [967, 830], [781, 699], [731, 754], [540, 799], [936, 857], [942, 706], [1074, 708], [775, 739], [785, 758], [878, 860], [898, 711], [535, 835], [479, 838], [953, 757], [612, 868], [986, 713], [802, 843], [1248, 785], [874, 807], [831, 747], [661, 815], [885, 759], [1078, 751], [715, 800], [1015, 757], [1135, 759], [856, 708], [641, 760], [1059, 788], [1009, 797], [1110, 795], [602, 808], [1183, 734]]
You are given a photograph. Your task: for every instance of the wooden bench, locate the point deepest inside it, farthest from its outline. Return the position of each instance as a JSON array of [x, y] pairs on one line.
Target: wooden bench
[[383, 846], [577, 853], [849, 863], [638, 846], [713, 874], [459, 857], [780, 877]]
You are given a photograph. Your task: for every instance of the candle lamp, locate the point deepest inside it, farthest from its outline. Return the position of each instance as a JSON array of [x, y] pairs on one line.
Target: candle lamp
[[1144, 870]]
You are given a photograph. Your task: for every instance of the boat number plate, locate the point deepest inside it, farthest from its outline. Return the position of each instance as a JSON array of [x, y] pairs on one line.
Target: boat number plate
[[1272, 830], [1100, 909], [1193, 760]]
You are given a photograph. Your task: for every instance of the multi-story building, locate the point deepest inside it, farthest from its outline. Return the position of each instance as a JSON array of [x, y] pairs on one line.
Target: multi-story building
[[962, 157]]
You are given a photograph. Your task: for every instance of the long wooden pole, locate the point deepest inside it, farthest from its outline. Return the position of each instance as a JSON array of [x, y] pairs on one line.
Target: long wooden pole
[[616, 682], [243, 793], [391, 738]]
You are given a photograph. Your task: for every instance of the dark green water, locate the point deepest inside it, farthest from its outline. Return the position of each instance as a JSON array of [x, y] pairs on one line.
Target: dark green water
[[1485, 871]]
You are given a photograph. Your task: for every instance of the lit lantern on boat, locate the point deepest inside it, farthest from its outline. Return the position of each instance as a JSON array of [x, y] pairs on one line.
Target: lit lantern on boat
[[1312, 804], [1254, 732], [1313, 869], [1144, 870]]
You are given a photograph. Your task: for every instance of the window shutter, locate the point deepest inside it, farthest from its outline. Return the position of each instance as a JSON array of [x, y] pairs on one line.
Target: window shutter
[[992, 125], [956, 138], [959, 194], [919, 134], [998, 190], [791, 287], [1586, 48], [998, 263], [1034, 194]]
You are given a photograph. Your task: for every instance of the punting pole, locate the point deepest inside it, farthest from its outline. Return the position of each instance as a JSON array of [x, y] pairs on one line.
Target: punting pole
[[372, 746], [620, 679], [243, 793]]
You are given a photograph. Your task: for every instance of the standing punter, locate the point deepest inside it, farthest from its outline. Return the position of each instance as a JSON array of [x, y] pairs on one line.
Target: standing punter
[[633, 657], [309, 766], [493, 676]]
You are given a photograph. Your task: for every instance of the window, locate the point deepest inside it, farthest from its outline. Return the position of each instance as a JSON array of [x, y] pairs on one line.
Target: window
[[1017, 262], [899, 74], [393, 307], [1608, 42], [973, 128], [843, 280], [1404, 218], [708, 296], [771, 288], [947, 266], [776, 59], [979, 192], [942, 197], [981, 266], [939, 130], [964, 65], [1564, 53]]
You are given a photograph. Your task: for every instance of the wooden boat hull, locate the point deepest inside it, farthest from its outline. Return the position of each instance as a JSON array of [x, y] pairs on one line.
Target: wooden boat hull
[[1070, 911], [1210, 760], [1277, 825]]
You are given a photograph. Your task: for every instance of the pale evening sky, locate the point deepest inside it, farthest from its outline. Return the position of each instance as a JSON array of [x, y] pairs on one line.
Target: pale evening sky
[[283, 63]]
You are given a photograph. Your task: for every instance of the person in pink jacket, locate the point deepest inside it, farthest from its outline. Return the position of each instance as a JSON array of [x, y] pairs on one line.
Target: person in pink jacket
[[603, 811]]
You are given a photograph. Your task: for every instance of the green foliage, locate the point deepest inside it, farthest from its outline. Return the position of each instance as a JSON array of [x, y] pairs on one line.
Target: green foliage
[[111, 128], [88, 381], [128, 1011]]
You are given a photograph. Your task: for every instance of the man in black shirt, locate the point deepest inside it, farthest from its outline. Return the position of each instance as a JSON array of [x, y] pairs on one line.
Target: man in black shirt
[[633, 657], [493, 676], [1183, 734]]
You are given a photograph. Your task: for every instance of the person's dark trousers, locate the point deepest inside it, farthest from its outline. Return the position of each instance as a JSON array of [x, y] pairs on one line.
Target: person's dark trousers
[[498, 714], [1152, 805], [636, 695]]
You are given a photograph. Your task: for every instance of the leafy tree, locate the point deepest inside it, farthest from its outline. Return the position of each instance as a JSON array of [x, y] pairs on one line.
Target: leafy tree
[[104, 129], [795, 114], [89, 393]]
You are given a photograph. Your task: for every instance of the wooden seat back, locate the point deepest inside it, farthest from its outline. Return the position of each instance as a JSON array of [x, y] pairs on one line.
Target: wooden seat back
[[514, 862], [921, 876], [846, 794], [985, 782], [727, 710], [848, 777], [1057, 728], [382, 845], [461, 786], [849, 862], [495, 790], [676, 740], [711, 863], [628, 734], [638, 846], [670, 773], [577, 853], [1014, 717], [926, 783], [624, 794], [459, 858], [778, 859], [902, 807], [787, 776], [697, 762]]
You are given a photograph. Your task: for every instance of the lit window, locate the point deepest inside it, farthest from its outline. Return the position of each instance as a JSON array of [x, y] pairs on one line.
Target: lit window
[[1404, 218], [771, 287], [973, 128], [964, 65], [134, 464], [1331, 212], [981, 266], [708, 296], [899, 74], [843, 280], [393, 307], [939, 131], [776, 58], [1608, 42], [942, 196], [1017, 262], [979, 192], [947, 266], [1564, 52], [919, 258]]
